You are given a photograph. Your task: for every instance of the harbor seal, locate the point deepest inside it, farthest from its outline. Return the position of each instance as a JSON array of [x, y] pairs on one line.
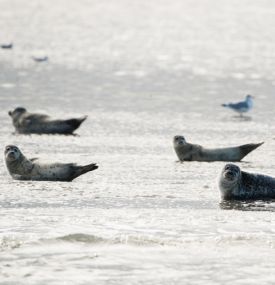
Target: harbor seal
[[21, 168], [194, 152], [235, 184], [32, 123]]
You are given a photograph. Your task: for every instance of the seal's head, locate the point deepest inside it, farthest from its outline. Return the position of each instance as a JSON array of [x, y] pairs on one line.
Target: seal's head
[[17, 112], [231, 172], [12, 153], [229, 179], [179, 140]]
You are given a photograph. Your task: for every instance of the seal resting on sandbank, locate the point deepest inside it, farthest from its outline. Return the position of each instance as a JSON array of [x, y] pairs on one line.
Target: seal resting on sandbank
[[235, 184], [21, 168], [194, 152], [32, 123]]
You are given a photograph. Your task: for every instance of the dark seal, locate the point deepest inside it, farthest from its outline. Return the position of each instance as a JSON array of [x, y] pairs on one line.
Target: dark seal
[[235, 184], [32, 123]]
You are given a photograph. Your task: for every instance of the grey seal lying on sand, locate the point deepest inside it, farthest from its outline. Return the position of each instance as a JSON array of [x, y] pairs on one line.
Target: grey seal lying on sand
[[194, 152], [21, 168], [235, 184], [32, 123]]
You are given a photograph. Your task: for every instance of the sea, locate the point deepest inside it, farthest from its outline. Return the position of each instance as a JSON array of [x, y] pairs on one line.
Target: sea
[[142, 71]]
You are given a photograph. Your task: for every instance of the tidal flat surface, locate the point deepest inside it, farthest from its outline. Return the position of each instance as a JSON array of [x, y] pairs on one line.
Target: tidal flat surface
[[143, 71]]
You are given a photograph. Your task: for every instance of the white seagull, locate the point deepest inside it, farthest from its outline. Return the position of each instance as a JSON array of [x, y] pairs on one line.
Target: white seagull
[[241, 107]]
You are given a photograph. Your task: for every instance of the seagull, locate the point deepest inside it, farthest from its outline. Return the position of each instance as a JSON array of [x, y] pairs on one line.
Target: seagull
[[241, 107], [7, 46], [40, 59]]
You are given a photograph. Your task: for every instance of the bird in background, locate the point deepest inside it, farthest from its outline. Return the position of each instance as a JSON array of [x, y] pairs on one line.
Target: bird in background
[[40, 59], [7, 46], [241, 107]]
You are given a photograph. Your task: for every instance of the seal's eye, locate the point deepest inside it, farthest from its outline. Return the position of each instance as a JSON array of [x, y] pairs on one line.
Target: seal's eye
[[228, 167], [8, 149], [15, 149]]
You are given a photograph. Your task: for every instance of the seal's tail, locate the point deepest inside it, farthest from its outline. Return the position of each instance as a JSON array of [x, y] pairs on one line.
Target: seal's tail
[[75, 123], [79, 170], [247, 148], [87, 168]]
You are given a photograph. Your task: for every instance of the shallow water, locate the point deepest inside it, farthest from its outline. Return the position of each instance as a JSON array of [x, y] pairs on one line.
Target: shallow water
[[142, 72]]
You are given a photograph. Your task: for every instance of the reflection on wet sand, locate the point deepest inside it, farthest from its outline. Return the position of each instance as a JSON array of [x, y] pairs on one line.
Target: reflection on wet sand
[[242, 118], [259, 205]]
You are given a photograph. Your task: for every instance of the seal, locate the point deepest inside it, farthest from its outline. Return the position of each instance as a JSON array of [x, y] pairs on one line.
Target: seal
[[194, 152], [235, 184], [21, 168], [32, 123]]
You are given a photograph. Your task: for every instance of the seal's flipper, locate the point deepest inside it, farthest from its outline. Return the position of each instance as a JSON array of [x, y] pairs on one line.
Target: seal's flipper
[[75, 123], [79, 170], [247, 148]]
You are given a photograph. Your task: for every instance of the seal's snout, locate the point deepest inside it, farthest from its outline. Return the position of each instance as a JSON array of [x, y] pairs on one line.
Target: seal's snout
[[179, 140], [10, 113], [229, 175], [12, 153]]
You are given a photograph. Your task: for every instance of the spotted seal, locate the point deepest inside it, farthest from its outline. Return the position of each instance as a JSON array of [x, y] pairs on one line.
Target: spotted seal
[[21, 168], [32, 123], [235, 184], [194, 152]]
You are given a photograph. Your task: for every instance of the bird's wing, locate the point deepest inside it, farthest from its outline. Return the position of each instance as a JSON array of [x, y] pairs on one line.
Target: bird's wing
[[238, 105]]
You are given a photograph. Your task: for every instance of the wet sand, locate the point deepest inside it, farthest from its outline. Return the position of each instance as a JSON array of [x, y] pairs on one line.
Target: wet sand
[[142, 217]]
